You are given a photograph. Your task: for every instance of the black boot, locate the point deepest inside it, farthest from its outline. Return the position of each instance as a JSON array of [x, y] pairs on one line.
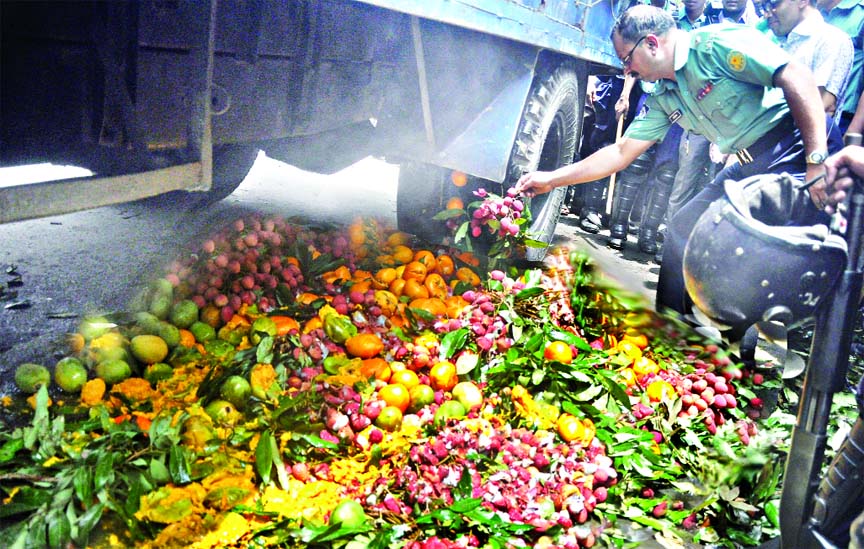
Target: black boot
[[655, 208], [627, 187], [592, 206]]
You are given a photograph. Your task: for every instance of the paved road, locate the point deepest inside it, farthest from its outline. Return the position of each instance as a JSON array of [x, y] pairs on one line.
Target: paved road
[[54, 269]]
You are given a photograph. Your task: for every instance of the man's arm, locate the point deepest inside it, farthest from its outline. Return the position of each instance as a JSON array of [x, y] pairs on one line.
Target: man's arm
[[608, 160], [802, 95], [829, 102]]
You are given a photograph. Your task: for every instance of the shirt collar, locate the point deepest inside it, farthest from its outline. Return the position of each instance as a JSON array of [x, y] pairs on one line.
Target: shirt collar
[[807, 27]]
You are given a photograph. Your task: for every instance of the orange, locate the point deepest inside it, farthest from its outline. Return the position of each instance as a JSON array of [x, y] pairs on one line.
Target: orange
[[428, 340], [284, 324], [640, 340], [356, 234], [364, 345], [414, 289], [427, 258], [187, 339], [415, 270], [313, 324], [395, 394], [660, 389], [465, 274], [390, 418], [559, 352], [402, 253], [362, 286], [436, 285], [421, 396], [306, 298], [455, 203], [455, 305], [630, 349], [387, 301], [431, 305], [446, 267], [211, 315], [628, 376], [405, 377], [397, 287], [75, 342], [398, 238], [442, 376], [644, 366], [570, 428], [459, 179], [384, 277], [469, 258], [375, 367]]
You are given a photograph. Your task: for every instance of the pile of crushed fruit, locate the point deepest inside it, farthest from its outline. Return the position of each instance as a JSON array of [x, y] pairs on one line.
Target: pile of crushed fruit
[[288, 386]]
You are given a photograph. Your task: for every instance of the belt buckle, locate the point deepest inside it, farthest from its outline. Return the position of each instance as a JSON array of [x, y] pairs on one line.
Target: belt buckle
[[744, 156]]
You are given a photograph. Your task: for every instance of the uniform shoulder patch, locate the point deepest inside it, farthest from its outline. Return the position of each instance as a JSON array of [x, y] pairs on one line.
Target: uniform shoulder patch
[[736, 61]]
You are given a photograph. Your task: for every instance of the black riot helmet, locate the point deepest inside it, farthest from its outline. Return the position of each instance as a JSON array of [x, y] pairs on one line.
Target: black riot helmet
[[743, 264]]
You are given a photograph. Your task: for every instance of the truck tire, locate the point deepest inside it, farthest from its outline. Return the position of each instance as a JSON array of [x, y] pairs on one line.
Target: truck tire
[[418, 198], [231, 165], [546, 140]]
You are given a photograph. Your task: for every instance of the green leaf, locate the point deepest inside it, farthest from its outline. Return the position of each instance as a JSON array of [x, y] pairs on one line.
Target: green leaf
[[264, 457], [27, 499], [10, 448], [466, 505], [87, 522], [528, 293], [83, 483], [178, 465], [104, 474], [59, 530], [422, 314], [448, 214], [452, 342], [531, 243], [461, 232], [537, 376], [264, 352], [158, 471], [570, 339]]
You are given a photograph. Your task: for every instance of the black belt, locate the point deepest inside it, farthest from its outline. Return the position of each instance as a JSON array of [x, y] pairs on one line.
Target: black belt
[[767, 141]]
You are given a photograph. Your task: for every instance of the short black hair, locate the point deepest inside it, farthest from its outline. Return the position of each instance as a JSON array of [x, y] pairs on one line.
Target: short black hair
[[640, 20]]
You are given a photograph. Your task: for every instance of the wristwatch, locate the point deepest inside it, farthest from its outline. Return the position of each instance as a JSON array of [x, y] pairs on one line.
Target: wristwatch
[[817, 157]]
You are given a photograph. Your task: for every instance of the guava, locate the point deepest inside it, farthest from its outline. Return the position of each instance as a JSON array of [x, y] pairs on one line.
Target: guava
[[450, 409], [113, 371], [29, 377], [184, 313], [348, 514], [70, 374]]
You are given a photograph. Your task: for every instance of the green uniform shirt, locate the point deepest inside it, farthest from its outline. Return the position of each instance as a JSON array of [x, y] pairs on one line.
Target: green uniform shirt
[[724, 89], [848, 15]]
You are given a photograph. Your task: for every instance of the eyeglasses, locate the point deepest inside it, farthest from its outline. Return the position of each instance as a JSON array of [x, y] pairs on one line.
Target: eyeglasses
[[629, 57], [771, 5]]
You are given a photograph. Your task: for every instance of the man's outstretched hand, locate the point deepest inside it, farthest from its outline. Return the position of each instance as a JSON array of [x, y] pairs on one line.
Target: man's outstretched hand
[[534, 183], [839, 170]]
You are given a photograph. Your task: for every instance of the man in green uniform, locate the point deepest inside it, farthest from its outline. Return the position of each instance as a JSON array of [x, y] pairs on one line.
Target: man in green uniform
[[729, 83]]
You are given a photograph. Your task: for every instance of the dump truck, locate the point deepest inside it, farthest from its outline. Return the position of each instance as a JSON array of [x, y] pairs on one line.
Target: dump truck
[[159, 96]]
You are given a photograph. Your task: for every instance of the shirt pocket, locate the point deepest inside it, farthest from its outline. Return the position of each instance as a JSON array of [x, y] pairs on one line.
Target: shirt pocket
[[724, 102]]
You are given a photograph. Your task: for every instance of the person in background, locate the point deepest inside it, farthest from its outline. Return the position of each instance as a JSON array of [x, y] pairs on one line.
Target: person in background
[[733, 85], [848, 15], [738, 11], [802, 31], [695, 167]]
